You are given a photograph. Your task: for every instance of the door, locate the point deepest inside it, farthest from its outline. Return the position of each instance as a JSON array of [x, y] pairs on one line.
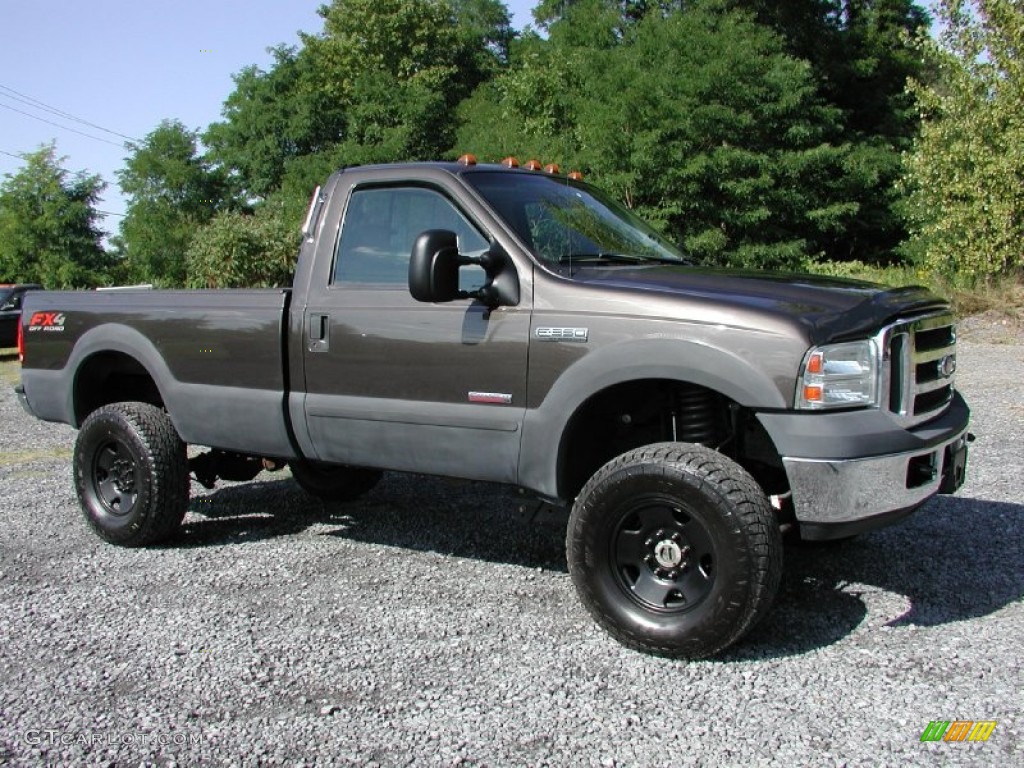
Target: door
[[399, 384]]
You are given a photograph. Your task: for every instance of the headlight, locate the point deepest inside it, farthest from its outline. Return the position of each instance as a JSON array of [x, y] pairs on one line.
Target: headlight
[[839, 376]]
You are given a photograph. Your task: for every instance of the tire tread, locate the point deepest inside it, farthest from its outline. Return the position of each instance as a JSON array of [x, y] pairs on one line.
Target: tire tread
[[751, 516], [166, 465]]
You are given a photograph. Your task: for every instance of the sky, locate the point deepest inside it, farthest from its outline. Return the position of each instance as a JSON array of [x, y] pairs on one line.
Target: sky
[[122, 66]]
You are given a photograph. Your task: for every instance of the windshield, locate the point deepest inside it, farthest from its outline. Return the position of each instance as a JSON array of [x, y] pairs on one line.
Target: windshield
[[568, 224]]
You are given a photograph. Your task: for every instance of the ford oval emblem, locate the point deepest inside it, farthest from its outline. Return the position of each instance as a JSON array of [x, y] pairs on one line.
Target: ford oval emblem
[[947, 366]]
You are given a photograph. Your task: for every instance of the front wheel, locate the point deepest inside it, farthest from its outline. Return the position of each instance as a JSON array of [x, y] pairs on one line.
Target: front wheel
[[131, 474], [333, 482], [674, 550]]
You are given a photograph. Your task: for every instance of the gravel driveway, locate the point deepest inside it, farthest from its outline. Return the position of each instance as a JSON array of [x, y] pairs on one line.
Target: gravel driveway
[[434, 623]]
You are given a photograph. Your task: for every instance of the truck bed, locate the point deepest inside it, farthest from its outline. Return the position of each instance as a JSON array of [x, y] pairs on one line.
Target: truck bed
[[215, 355]]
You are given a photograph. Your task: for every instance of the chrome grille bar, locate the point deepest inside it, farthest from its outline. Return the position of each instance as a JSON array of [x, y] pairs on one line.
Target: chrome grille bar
[[919, 362]]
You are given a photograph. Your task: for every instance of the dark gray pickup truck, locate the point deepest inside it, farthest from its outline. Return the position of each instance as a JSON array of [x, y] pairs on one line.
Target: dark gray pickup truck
[[519, 327]]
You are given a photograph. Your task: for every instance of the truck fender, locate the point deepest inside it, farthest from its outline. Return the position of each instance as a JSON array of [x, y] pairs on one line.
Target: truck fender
[[671, 359], [114, 337]]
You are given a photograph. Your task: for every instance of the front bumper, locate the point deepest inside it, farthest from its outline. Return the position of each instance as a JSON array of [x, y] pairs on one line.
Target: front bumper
[[833, 499], [839, 495]]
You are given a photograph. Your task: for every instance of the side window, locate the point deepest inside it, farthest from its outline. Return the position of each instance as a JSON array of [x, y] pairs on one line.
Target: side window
[[380, 227]]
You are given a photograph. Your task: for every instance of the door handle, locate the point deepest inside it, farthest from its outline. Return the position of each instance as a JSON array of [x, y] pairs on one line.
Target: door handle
[[319, 333]]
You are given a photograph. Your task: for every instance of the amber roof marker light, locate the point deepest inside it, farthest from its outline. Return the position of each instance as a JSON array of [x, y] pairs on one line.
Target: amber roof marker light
[[512, 162]]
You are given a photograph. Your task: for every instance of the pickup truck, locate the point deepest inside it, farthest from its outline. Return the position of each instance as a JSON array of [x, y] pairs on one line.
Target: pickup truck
[[518, 326], [11, 297]]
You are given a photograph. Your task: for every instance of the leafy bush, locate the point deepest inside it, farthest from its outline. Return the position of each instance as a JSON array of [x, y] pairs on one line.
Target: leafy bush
[[964, 176], [236, 250]]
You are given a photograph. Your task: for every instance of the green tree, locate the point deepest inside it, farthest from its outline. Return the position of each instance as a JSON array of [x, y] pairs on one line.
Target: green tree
[[531, 110], [862, 55], [966, 172], [697, 118], [271, 118], [171, 191], [48, 225], [238, 250], [485, 29], [548, 12], [399, 68], [408, 39], [379, 83]]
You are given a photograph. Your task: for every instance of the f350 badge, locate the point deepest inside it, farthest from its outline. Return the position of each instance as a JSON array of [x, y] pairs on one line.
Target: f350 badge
[[562, 334], [46, 321]]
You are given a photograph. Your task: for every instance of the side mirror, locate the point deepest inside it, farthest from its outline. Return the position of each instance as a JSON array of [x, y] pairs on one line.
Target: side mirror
[[434, 266], [434, 271]]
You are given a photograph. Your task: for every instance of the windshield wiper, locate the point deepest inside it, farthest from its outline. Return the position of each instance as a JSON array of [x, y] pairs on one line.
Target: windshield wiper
[[614, 258]]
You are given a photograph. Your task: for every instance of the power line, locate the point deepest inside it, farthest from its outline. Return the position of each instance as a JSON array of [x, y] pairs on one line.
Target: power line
[[68, 170], [37, 104], [58, 167], [63, 127]]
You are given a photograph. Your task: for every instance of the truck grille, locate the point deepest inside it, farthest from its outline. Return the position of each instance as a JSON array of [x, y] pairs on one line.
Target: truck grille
[[919, 365]]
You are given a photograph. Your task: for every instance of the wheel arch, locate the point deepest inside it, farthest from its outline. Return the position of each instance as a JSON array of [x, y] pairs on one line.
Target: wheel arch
[[112, 377], [550, 428], [624, 416], [114, 363]]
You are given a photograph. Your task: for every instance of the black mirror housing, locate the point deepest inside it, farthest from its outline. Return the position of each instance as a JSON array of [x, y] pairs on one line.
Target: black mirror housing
[[434, 271], [434, 266]]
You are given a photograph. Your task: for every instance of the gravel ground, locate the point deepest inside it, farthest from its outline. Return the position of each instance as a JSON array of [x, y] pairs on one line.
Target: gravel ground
[[433, 623]]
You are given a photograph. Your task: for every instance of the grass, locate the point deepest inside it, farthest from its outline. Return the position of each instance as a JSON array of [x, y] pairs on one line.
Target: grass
[[24, 457], [1005, 296], [10, 373], [10, 369]]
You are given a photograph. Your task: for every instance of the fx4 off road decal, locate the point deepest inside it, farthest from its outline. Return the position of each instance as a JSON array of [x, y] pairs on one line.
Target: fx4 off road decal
[[46, 321]]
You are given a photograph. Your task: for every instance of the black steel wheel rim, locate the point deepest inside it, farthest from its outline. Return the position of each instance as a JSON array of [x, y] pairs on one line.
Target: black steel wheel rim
[[115, 481], [663, 556]]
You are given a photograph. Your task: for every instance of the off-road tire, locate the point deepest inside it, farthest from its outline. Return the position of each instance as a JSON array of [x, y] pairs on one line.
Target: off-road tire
[[674, 550], [131, 474], [333, 482]]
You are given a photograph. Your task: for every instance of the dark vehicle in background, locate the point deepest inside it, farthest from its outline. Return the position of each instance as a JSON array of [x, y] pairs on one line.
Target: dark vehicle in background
[[11, 297], [518, 327]]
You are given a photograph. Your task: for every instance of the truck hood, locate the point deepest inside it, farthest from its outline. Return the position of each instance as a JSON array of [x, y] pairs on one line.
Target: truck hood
[[830, 308]]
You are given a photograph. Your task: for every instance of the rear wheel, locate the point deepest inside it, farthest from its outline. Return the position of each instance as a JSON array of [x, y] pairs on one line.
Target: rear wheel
[[131, 473], [334, 482], [674, 550]]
